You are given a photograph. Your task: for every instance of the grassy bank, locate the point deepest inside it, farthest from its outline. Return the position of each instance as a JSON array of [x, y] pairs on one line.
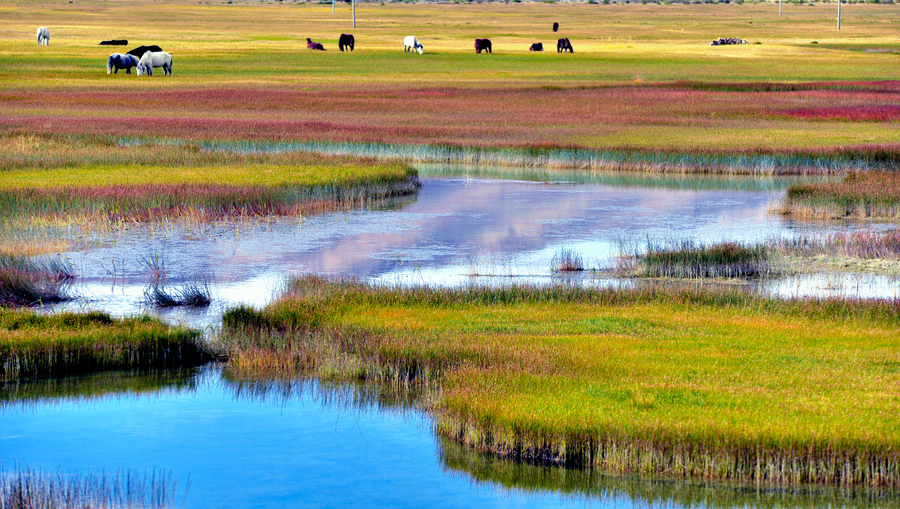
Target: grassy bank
[[861, 195], [696, 385], [62, 180], [35, 345]]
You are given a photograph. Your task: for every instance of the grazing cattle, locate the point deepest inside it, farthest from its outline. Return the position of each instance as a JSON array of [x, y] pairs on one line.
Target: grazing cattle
[[555, 26], [538, 46], [346, 41], [140, 50], [115, 42], [483, 44], [411, 43], [153, 59], [314, 45], [564, 45], [119, 61], [43, 36]]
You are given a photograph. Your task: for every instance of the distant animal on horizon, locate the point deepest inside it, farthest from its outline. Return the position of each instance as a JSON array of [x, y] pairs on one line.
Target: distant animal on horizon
[[346, 41], [483, 44], [538, 46], [314, 45], [564, 45], [411, 43], [153, 59], [140, 50], [115, 42], [555, 26], [119, 61], [43, 36]]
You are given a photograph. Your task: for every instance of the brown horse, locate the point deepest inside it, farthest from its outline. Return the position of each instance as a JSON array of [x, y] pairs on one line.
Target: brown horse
[[314, 45], [483, 44], [538, 46], [564, 45]]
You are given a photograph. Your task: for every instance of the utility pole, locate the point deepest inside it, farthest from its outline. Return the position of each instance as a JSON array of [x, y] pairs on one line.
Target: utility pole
[[354, 15], [839, 14]]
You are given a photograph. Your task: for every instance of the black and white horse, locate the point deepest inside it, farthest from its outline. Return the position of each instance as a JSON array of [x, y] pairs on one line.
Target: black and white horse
[[411, 43], [43, 36]]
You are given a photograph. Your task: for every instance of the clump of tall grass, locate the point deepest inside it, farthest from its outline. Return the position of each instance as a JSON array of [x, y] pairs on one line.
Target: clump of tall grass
[[30, 282], [190, 294], [690, 259], [128, 489], [567, 259], [37, 345], [861, 195]]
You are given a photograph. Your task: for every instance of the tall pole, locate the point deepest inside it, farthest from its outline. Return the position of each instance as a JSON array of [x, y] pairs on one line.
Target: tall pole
[[354, 14], [839, 14], [779, 7], [332, 5]]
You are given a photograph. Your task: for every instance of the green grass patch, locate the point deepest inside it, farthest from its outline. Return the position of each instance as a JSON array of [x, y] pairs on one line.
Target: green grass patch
[[683, 383], [689, 259], [38, 345]]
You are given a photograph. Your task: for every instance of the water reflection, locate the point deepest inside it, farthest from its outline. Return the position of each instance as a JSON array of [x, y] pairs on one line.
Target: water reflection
[[466, 226], [262, 442], [591, 487]]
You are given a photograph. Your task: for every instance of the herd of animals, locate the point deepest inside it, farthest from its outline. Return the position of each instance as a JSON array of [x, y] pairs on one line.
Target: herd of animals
[[145, 58]]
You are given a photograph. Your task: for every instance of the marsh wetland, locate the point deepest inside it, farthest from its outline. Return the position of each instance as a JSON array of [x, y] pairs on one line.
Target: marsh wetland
[[649, 272]]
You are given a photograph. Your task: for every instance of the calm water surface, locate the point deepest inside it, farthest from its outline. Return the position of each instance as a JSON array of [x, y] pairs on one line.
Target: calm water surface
[[459, 230], [309, 445]]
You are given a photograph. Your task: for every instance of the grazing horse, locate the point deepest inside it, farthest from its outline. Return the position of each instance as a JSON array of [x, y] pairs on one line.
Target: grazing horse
[[140, 50], [346, 40], [483, 44], [119, 61], [153, 59], [538, 46], [411, 43], [555, 26], [564, 45], [314, 45], [115, 42], [43, 36]]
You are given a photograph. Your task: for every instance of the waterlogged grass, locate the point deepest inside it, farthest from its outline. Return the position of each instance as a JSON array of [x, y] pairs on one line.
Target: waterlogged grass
[[30, 282], [65, 179], [689, 259], [37, 345], [129, 489], [686, 384], [861, 195]]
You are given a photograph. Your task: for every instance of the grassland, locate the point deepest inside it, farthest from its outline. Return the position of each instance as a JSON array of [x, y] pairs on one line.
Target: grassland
[[643, 78], [697, 385], [36, 345]]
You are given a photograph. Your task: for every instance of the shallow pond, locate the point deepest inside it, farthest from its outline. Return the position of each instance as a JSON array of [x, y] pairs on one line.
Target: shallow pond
[[305, 444], [465, 226]]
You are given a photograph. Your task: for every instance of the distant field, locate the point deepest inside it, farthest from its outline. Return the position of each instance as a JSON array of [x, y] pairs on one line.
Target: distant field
[[642, 77]]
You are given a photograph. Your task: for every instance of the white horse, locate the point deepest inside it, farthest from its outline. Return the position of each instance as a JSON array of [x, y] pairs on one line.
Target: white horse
[[119, 61], [152, 59], [410, 43], [43, 35]]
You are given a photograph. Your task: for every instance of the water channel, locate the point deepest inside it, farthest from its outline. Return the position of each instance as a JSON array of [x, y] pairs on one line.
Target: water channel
[[302, 443]]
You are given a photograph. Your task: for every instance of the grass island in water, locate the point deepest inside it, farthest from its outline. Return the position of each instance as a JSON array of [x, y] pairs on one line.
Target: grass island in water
[[688, 384]]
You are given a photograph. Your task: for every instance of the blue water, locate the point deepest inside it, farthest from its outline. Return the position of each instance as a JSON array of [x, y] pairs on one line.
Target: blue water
[[313, 448]]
